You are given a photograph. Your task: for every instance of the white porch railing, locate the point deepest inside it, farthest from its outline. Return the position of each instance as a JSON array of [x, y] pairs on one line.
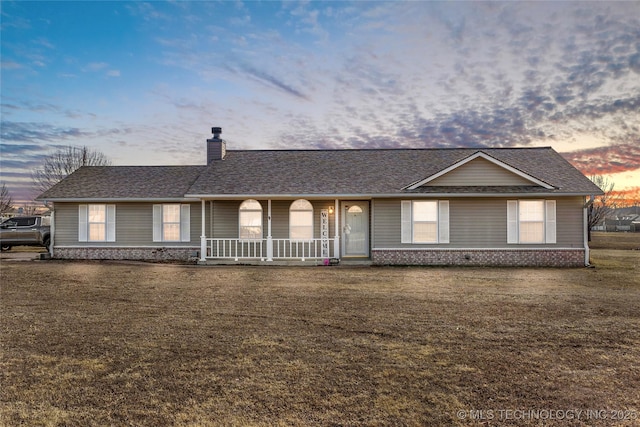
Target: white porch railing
[[235, 249], [258, 249]]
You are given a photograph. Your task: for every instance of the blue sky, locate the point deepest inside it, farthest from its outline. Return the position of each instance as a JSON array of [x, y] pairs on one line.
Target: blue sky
[[144, 82]]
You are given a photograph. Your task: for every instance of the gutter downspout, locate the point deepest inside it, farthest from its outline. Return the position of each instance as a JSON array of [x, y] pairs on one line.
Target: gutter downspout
[[52, 231], [585, 219]]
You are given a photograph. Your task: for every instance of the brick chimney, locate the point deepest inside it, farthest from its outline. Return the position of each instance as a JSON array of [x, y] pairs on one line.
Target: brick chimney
[[216, 147]]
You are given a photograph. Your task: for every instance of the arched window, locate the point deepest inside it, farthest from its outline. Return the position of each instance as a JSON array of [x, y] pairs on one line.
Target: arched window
[[301, 220], [355, 210], [250, 220]]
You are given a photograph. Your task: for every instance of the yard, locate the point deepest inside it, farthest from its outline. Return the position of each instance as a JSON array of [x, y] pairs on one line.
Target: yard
[[101, 343]]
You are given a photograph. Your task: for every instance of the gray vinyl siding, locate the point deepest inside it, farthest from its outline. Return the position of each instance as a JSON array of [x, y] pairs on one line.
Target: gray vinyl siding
[[134, 225], [196, 224], [474, 223], [66, 224], [570, 217], [478, 223], [280, 218], [225, 219], [479, 172], [225, 215]]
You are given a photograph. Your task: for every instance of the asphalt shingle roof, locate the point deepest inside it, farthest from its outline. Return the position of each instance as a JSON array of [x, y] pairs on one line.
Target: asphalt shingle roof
[[316, 172], [125, 182], [371, 171]]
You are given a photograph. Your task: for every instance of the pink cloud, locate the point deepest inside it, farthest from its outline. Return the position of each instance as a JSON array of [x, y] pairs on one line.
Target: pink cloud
[[606, 160]]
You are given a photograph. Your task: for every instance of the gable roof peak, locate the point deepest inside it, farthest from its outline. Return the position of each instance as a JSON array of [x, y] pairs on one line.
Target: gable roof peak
[[485, 156]]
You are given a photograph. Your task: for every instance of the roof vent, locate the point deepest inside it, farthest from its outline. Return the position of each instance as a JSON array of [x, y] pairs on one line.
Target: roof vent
[[216, 132]]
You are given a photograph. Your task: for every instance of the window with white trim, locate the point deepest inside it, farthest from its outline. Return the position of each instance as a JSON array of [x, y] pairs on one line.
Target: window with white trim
[[301, 220], [250, 220], [96, 223], [531, 221], [424, 221], [172, 222]]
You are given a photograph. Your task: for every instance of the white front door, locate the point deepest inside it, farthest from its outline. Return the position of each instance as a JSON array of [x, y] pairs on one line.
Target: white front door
[[355, 228]]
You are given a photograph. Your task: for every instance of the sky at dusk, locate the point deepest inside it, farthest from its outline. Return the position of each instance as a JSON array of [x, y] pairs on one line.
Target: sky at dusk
[[144, 82]]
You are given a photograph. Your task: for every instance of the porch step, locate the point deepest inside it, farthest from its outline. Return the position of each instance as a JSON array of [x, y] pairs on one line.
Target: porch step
[[356, 262]]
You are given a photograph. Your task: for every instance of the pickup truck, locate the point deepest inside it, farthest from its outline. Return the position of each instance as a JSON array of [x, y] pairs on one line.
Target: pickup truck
[[25, 231]]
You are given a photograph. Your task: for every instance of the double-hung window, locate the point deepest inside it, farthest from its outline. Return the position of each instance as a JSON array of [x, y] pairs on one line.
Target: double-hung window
[[301, 220], [531, 221], [250, 220], [96, 223], [172, 222], [425, 221]]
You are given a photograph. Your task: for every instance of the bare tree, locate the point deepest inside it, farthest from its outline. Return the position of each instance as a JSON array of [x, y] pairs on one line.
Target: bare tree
[[601, 206], [63, 162], [6, 201]]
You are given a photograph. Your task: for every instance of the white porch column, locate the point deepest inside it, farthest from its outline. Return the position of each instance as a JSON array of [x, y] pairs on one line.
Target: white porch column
[[336, 223], [269, 237], [203, 235]]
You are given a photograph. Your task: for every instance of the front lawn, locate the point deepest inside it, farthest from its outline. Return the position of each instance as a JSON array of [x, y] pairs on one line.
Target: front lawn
[[101, 343]]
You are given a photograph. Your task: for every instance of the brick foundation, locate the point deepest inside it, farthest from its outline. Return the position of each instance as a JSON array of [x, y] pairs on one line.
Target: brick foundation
[[142, 254], [481, 257], [475, 257]]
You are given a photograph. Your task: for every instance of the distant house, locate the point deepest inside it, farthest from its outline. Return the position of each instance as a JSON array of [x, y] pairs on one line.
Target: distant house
[[463, 206], [614, 222]]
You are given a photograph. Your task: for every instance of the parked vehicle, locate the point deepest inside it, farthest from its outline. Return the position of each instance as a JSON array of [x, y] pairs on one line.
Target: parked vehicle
[[25, 231]]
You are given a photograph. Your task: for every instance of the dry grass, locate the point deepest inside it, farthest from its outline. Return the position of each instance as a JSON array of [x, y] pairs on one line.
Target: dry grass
[[623, 241], [87, 343]]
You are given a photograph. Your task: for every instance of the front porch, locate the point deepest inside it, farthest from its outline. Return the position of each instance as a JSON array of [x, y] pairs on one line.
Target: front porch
[[254, 231], [271, 231]]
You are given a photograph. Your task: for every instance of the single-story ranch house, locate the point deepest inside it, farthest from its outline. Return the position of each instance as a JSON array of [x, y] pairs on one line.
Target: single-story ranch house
[[463, 206]]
